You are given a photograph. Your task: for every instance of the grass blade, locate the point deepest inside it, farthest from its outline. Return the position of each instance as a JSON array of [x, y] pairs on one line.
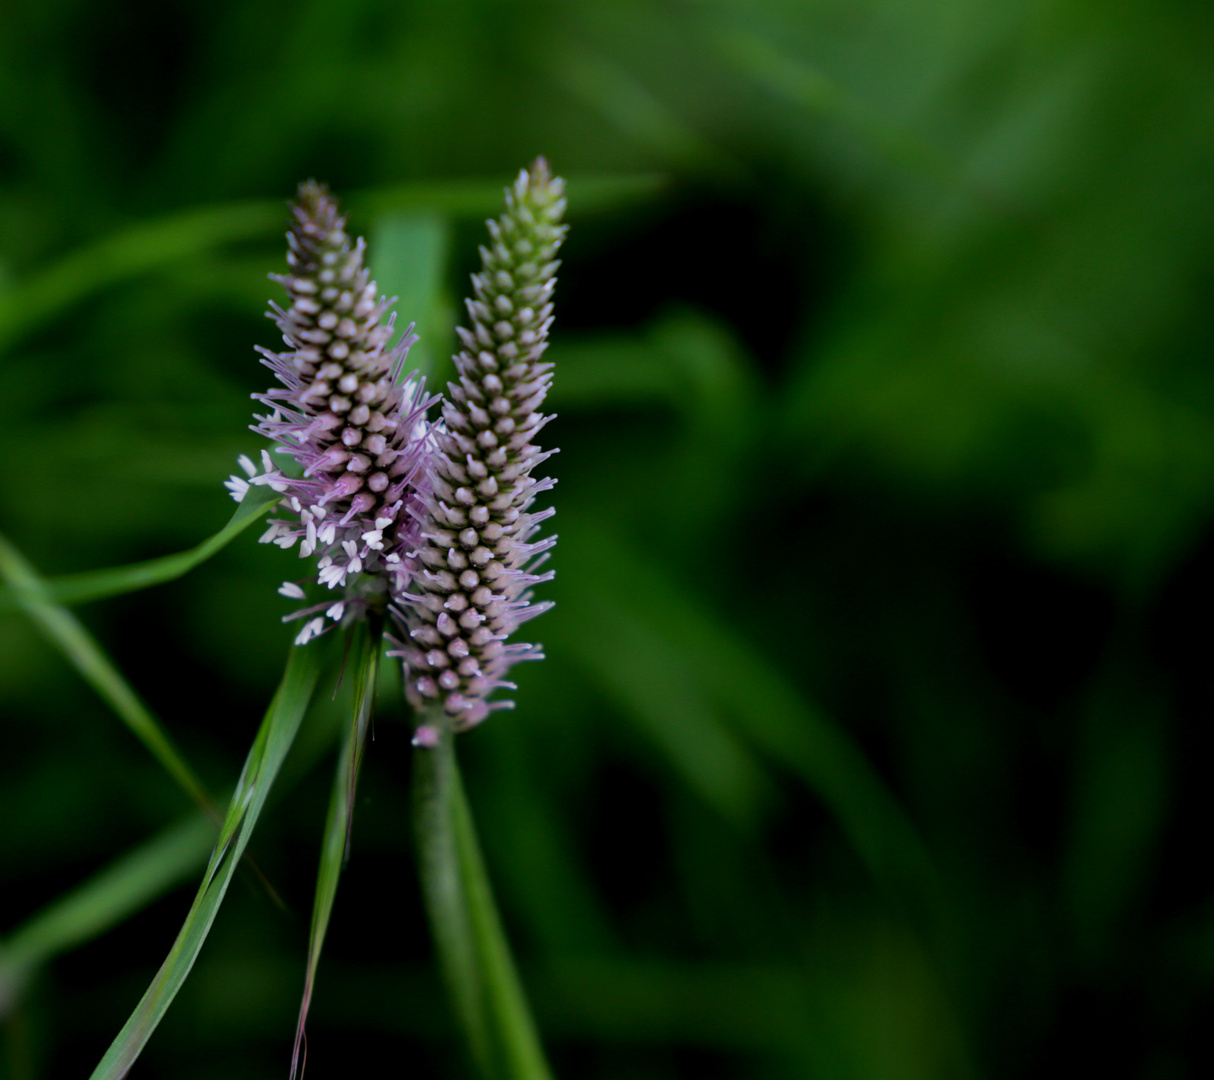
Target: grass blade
[[409, 261], [114, 581], [472, 949], [481, 198], [65, 631], [274, 739], [150, 244], [765, 707], [335, 848], [127, 253], [104, 900]]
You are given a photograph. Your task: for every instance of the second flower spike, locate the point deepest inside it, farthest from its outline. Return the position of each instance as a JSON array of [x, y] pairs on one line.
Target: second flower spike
[[477, 559]]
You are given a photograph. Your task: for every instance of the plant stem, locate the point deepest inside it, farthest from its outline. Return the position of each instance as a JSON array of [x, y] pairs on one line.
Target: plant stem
[[472, 947]]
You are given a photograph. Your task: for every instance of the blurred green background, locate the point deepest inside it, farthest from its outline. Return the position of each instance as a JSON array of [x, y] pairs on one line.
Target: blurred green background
[[873, 740]]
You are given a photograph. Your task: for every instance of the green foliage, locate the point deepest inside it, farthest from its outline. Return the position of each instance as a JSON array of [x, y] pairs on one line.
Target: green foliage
[[871, 738], [468, 936], [270, 748]]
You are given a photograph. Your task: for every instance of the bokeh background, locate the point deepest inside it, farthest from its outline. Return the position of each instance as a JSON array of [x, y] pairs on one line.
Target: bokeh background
[[873, 742]]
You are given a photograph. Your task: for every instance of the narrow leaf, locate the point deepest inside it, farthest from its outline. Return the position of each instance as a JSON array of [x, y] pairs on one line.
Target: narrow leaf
[[274, 739], [161, 242], [335, 848], [409, 261], [472, 948], [114, 581], [124, 254], [65, 631], [481, 198], [119, 890], [766, 709]]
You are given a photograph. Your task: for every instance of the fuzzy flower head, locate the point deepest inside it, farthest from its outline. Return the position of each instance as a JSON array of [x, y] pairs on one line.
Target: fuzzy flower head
[[476, 560], [356, 437]]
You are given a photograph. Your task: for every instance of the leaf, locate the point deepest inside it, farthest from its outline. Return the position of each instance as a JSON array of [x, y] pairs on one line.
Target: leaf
[[128, 253], [274, 739], [409, 253], [114, 581], [335, 848], [481, 198], [630, 106], [65, 631], [766, 710], [150, 244], [648, 674], [472, 948], [104, 900]]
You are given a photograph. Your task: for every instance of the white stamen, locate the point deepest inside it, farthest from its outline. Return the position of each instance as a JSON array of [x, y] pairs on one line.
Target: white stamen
[[332, 576], [311, 629], [291, 591]]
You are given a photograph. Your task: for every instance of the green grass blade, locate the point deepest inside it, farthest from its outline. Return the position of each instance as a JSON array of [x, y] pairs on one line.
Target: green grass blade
[[626, 103], [335, 847], [130, 252], [409, 261], [161, 242], [767, 710], [813, 90], [104, 900], [114, 581], [64, 631], [472, 949], [274, 739], [481, 198]]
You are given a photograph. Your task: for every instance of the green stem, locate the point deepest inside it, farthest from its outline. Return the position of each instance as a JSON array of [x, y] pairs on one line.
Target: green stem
[[472, 948]]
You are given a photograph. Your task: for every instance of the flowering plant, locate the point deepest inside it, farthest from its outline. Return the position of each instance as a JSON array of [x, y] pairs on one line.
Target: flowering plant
[[419, 535]]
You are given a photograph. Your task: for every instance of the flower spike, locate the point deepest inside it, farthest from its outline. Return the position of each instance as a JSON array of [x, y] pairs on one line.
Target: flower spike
[[357, 436], [476, 560]]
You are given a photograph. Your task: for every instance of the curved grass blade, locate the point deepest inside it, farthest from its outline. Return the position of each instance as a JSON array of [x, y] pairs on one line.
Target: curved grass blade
[[339, 821], [128, 253], [480, 198], [166, 240], [64, 631], [119, 890], [114, 581], [274, 739], [811, 89], [472, 948], [621, 99], [766, 709]]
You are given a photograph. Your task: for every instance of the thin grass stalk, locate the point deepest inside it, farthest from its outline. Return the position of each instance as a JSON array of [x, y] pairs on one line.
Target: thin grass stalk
[[32, 594], [66, 632], [265, 758], [473, 953], [117, 580], [366, 651]]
